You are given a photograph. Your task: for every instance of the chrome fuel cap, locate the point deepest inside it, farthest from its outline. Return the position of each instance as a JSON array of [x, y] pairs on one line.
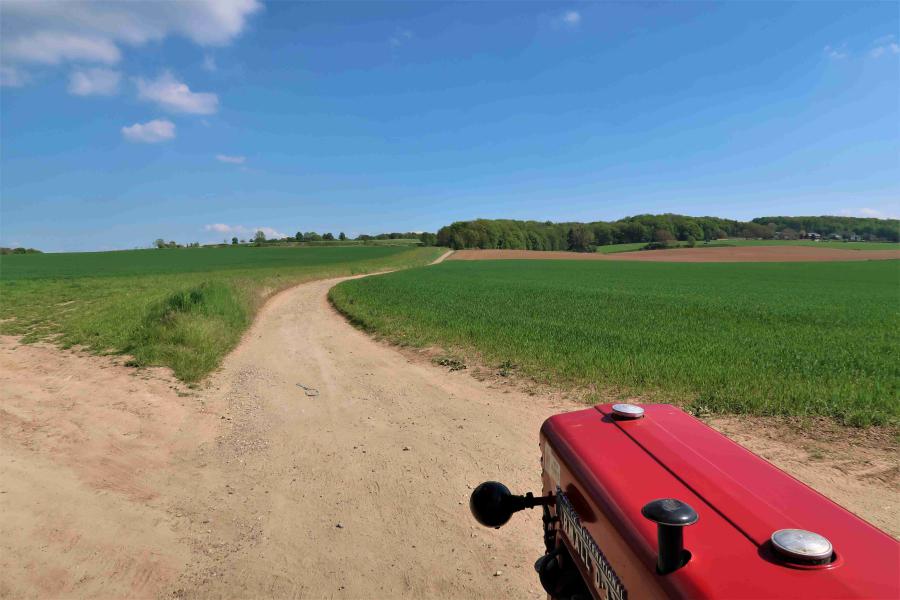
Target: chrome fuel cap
[[628, 411], [802, 546]]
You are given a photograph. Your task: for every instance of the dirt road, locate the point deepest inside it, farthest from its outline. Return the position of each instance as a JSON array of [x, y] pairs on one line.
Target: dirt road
[[317, 463], [353, 486]]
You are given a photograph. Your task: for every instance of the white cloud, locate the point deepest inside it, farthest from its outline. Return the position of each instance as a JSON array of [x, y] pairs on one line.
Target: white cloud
[[571, 18], [885, 45], [836, 53], [400, 37], [247, 232], [94, 82], [152, 132], [176, 96], [53, 48], [51, 32], [235, 160], [12, 77], [209, 62]]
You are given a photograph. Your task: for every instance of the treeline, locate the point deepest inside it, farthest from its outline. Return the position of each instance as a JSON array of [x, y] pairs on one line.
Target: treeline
[[427, 239], [846, 227], [661, 229], [537, 235], [19, 250]]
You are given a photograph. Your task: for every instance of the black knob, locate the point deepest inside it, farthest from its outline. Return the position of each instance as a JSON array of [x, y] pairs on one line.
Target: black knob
[[670, 516], [669, 511], [491, 504]]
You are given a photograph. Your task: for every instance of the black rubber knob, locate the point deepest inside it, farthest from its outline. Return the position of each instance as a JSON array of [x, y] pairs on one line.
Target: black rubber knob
[[491, 504], [671, 512]]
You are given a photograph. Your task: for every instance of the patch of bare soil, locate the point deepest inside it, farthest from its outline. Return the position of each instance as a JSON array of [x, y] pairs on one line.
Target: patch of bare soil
[[317, 462], [756, 254], [722, 254], [86, 442]]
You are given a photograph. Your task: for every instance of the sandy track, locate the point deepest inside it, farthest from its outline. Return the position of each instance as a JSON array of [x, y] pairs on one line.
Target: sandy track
[[117, 483], [723, 254], [118, 486]]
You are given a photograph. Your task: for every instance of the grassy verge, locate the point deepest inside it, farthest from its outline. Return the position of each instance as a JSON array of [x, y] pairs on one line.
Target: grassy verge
[[183, 309], [816, 339]]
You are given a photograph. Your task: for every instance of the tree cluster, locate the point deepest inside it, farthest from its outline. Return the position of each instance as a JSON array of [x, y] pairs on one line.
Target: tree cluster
[[584, 237], [866, 228], [659, 230], [19, 250]]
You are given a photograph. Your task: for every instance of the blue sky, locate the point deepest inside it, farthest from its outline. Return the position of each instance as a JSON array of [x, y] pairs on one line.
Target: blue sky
[[124, 122]]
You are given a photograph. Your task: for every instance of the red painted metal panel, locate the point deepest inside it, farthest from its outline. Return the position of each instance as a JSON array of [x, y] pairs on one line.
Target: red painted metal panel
[[610, 468]]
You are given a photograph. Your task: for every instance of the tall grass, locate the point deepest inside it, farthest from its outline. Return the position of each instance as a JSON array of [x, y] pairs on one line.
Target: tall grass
[[183, 309], [764, 338]]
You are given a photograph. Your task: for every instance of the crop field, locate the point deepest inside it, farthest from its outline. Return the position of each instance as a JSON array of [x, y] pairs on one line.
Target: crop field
[[180, 308], [774, 339]]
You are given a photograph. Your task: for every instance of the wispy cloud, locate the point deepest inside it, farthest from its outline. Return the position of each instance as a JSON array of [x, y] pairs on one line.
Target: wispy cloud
[[886, 45], [209, 62], [176, 96], [12, 77], [151, 132], [240, 230], [94, 82], [836, 53], [570, 19], [234, 160], [50, 31], [51, 48], [400, 37]]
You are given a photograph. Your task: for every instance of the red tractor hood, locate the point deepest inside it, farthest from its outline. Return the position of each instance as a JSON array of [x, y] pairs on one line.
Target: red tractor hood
[[610, 468]]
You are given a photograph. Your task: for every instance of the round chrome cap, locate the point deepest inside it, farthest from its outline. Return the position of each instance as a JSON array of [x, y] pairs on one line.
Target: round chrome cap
[[628, 411], [802, 545]]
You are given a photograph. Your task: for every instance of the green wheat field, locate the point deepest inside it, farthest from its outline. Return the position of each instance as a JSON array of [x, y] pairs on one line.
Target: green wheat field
[[179, 308], [764, 338]]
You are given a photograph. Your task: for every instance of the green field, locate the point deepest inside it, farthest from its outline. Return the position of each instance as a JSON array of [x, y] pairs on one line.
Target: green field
[[616, 248], [772, 338], [181, 308]]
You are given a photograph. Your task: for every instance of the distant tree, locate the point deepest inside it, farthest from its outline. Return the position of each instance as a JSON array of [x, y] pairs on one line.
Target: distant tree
[[342, 236], [663, 236], [243, 241], [691, 242], [298, 236], [580, 238], [234, 241], [428, 239], [328, 236], [789, 234], [160, 243], [259, 238]]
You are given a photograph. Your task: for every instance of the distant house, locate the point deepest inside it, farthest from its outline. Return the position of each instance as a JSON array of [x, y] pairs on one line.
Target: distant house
[[813, 236]]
